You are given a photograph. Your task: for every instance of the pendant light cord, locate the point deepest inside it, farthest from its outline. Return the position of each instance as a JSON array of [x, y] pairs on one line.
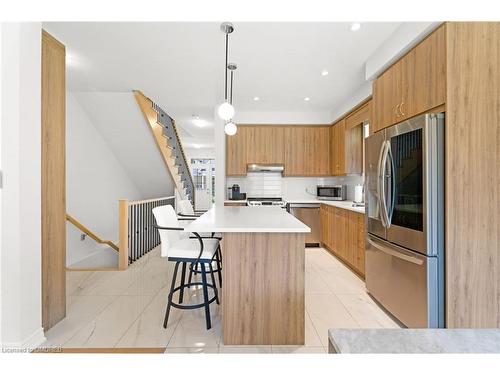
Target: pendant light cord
[[225, 68], [231, 95]]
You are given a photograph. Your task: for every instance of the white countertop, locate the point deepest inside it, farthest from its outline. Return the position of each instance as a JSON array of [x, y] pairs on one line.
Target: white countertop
[[347, 205], [365, 341], [244, 219]]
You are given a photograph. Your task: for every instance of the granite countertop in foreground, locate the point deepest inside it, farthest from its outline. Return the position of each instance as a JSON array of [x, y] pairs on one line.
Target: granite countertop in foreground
[[413, 341]]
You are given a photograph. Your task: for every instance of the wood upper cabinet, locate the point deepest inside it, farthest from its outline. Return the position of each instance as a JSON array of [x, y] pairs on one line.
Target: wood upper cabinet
[[265, 144], [307, 151], [337, 145], [387, 96], [303, 150], [413, 85], [354, 138], [236, 153], [425, 75]]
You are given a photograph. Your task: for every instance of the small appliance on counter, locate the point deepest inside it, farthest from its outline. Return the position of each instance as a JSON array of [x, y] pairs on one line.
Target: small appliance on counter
[[359, 200], [332, 193], [234, 193]]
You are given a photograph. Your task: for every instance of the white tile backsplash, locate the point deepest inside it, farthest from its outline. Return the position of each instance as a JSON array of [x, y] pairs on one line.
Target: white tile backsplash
[[273, 184]]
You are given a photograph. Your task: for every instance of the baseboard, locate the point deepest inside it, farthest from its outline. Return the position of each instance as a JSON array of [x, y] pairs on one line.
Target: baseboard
[[32, 342]]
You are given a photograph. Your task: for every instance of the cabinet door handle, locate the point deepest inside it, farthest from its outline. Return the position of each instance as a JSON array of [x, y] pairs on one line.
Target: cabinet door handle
[[401, 109]]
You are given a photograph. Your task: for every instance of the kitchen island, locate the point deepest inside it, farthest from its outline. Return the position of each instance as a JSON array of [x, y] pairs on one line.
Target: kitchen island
[[263, 273]]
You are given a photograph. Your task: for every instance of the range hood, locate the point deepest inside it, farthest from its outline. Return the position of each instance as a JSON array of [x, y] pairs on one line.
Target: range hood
[[265, 168]]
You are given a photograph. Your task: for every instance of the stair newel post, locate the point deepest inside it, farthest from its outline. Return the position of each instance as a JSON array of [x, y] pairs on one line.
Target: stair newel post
[[123, 233]]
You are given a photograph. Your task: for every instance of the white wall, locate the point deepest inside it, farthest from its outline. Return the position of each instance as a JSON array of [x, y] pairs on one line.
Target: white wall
[[21, 317], [289, 118], [95, 181], [352, 101], [120, 122]]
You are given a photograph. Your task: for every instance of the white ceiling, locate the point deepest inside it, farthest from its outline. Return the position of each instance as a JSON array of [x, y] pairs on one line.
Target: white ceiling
[[180, 65]]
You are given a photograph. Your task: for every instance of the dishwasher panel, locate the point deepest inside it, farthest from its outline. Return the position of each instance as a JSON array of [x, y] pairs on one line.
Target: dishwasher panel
[[310, 216]]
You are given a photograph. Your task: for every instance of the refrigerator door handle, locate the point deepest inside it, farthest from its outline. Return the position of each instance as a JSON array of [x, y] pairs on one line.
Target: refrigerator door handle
[[397, 254], [392, 184], [382, 185]]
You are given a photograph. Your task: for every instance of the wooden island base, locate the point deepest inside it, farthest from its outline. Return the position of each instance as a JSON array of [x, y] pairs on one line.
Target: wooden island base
[[263, 289]]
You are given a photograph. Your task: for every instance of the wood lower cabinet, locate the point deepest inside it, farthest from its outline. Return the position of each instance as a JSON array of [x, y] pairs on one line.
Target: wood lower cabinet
[[413, 85], [356, 240], [343, 233]]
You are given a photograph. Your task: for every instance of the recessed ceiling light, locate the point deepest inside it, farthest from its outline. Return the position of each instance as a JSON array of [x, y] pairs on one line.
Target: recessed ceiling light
[[355, 26], [324, 72], [256, 98], [196, 146], [198, 121], [306, 99]]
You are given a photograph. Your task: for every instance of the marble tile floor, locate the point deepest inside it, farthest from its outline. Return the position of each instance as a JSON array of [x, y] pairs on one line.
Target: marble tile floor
[[125, 309]]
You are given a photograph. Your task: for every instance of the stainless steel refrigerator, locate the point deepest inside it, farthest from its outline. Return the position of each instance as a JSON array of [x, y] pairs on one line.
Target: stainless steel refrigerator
[[404, 214]]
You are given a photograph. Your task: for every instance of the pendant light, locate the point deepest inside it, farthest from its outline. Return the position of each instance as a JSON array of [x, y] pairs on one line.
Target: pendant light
[[230, 127], [226, 109]]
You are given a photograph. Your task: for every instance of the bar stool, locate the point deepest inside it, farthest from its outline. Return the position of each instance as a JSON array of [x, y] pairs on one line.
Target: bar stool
[[178, 247], [187, 212]]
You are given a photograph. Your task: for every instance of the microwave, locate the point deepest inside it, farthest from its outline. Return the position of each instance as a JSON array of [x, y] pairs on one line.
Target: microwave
[[334, 192]]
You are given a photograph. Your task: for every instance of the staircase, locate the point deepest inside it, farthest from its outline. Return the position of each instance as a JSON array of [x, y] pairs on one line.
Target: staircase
[[169, 144]]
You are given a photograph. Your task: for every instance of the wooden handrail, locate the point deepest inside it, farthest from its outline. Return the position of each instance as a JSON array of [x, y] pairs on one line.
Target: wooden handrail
[[89, 233]]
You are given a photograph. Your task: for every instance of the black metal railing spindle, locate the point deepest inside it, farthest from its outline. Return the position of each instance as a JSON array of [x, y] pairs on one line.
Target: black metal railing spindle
[[142, 236]]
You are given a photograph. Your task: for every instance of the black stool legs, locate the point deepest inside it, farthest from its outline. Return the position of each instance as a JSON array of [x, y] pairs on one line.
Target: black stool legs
[[170, 294], [218, 270], [205, 285]]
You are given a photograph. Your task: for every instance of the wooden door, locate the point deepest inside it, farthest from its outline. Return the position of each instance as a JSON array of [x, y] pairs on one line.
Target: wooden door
[[424, 75], [53, 194], [236, 153], [265, 144]]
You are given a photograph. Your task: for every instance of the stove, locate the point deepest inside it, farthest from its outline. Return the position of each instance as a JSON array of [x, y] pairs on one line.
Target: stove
[[277, 202]]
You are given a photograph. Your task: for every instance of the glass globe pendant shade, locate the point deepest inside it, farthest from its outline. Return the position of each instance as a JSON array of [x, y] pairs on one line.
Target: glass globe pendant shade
[[230, 128], [225, 111]]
